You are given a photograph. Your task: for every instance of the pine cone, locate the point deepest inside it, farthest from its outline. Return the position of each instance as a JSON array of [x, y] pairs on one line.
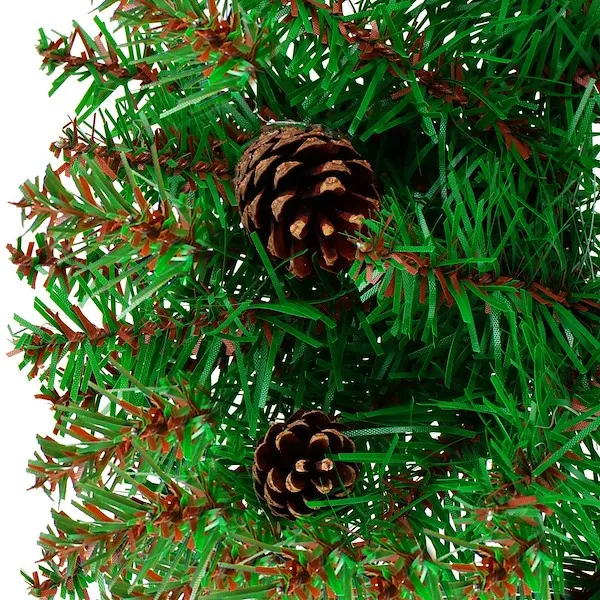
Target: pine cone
[[305, 190], [291, 467]]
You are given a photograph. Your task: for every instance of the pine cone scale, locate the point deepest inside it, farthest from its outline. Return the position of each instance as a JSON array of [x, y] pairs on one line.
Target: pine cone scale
[[300, 185], [254, 211], [302, 466], [318, 444], [277, 244], [300, 428], [335, 440], [274, 499], [279, 203], [328, 251], [326, 226], [283, 170], [333, 166], [300, 265], [276, 480], [299, 228], [297, 507], [314, 143], [295, 482], [291, 138], [347, 474], [262, 168], [289, 444], [262, 147]]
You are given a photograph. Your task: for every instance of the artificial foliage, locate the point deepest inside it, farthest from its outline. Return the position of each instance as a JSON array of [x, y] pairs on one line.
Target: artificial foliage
[[460, 349]]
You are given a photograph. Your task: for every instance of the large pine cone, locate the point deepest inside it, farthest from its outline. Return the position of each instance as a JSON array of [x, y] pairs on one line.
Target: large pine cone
[[291, 466], [305, 189]]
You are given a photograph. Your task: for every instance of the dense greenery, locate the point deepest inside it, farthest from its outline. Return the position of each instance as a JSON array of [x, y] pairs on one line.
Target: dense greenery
[[462, 348]]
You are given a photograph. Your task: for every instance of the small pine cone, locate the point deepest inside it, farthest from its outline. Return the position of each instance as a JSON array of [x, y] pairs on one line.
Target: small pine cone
[[305, 190], [291, 466]]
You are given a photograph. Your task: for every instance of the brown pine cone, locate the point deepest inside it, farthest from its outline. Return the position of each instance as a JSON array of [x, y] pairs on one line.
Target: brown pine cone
[[305, 190], [291, 466]]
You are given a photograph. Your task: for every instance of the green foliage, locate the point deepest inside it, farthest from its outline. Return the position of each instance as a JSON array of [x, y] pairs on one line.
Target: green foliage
[[462, 348]]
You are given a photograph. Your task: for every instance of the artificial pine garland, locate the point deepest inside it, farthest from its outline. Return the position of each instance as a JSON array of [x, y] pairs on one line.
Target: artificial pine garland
[[455, 347]]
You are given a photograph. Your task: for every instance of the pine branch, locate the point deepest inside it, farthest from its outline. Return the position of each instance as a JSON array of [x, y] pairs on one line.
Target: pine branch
[[100, 59], [173, 160], [419, 265]]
